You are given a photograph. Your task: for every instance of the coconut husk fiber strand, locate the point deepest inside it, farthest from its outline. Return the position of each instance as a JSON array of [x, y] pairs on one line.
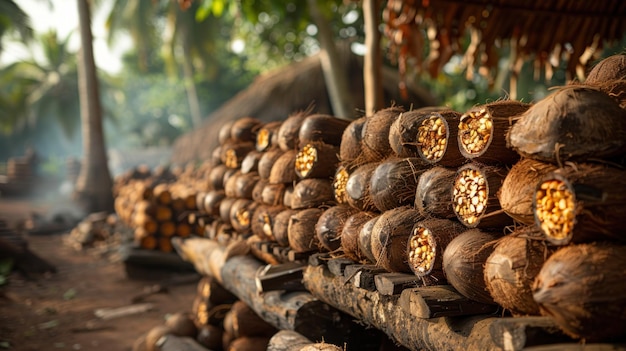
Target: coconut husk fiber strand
[[389, 238], [596, 208], [433, 194], [583, 288], [394, 181], [518, 189], [464, 261], [512, 267], [301, 230], [572, 123]]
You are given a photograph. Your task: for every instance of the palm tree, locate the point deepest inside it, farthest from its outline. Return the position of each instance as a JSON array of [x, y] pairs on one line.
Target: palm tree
[[13, 18], [94, 184]]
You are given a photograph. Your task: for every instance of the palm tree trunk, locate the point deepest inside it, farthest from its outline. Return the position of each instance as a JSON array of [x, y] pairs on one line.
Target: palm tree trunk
[[373, 62], [190, 85], [334, 73], [94, 184]]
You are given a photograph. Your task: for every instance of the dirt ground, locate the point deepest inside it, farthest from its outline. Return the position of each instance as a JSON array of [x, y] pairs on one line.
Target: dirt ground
[[57, 311]]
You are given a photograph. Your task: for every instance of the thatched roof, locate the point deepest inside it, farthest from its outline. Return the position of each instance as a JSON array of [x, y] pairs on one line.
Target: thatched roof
[[279, 93], [549, 32]]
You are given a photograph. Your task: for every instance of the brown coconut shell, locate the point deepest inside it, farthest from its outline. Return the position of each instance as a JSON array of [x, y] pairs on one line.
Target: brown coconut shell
[[600, 203], [244, 129], [216, 177], [582, 287], [241, 215], [250, 163], [301, 230], [442, 232], [289, 131], [288, 196], [573, 123], [324, 163], [181, 324], [212, 201], [309, 193], [432, 193], [273, 194], [210, 336], [492, 216], [246, 322], [350, 234], [223, 135], [350, 148], [389, 238], [154, 335], [608, 69], [512, 267], [394, 181], [330, 225], [263, 221], [322, 128], [216, 156], [358, 187], [266, 162], [267, 136], [365, 239], [233, 153], [257, 191], [451, 154], [224, 208], [241, 185], [249, 344], [280, 227], [503, 114], [464, 261], [375, 140], [518, 189], [284, 168]]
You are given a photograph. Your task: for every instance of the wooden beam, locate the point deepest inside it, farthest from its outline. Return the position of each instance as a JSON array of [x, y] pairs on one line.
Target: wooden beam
[[441, 301], [286, 276]]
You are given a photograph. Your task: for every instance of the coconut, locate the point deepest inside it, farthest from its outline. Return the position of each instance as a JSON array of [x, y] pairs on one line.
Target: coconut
[[573, 123], [309, 193], [518, 189], [280, 226], [433, 193], [375, 140], [427, 242], [511, 269], [365, 239], [330, 225], [394, 181], [283, 169], [464, 261], [301, 230], [608, 69], [234, 152], [181, 324], [273, 194], [357, 187], [350, 148], [241, 212], [340, 181], [249, 344], [350, 234], [263, 221], [289, 131], [223, 135], [266, 162], [246, 322], [389, 238], [241, 185], [267, 136], [257, 191], [316, 160], [212, 201], [244, 129], [582, 287], [251, 161], [322, 128], [216, 177], [210, 336]]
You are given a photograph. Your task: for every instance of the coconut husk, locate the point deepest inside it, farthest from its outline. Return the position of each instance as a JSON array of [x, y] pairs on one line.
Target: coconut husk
[[212, 202], [375, 139], [273, 194], [502, 114], [616, 90], [216, 156], [322, 128], [200, 195], [250, 163], [280, 226], [244, 129], [266, 162], [216, 177], [223, 135], [599, 195], [492, 215], [241, 185], [233, 153], [153, 336], [433, 193], [518, 189], [263, 221], [365, 239], [309, 193], [350, 234], [573, 123], [441, 232], [389, 238], [288, 196], [511, 269], [394, 181], [358, 187], [210, 337], [301, 231], [284, 168], [241, 215], [330, 225], [249, 344], [582, 287], [350, 148], [464, 261], [444, 141], [224, 208], [257, 191], [289, 131], [267, 136], [181, 324], [317, 160], [608, 69]]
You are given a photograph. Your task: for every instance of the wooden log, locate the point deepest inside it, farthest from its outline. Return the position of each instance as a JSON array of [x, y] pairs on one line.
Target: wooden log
[[395, 283], [287, 340], [338, 265], [519, 332], [286, 276], [362, 275], [441, 301]]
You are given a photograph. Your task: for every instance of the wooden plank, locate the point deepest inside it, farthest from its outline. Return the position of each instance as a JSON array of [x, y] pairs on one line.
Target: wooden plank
[[319, 258], [441, 301], [281, 253], [395, 283], [298, 256], [337, 265], [520, 332], [286, 276], [362, 275]]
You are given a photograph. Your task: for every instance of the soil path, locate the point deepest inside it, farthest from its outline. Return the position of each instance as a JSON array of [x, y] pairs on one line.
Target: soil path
[[56, 311]]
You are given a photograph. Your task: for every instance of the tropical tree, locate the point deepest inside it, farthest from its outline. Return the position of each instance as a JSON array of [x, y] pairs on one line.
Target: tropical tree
[[13, 18], [94, 184]]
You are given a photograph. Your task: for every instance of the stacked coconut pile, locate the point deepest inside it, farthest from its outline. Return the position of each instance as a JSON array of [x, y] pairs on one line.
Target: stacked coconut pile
[[158, 205]]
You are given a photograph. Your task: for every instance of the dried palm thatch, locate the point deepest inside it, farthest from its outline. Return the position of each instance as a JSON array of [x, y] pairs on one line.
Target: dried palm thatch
[[538, 30]]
